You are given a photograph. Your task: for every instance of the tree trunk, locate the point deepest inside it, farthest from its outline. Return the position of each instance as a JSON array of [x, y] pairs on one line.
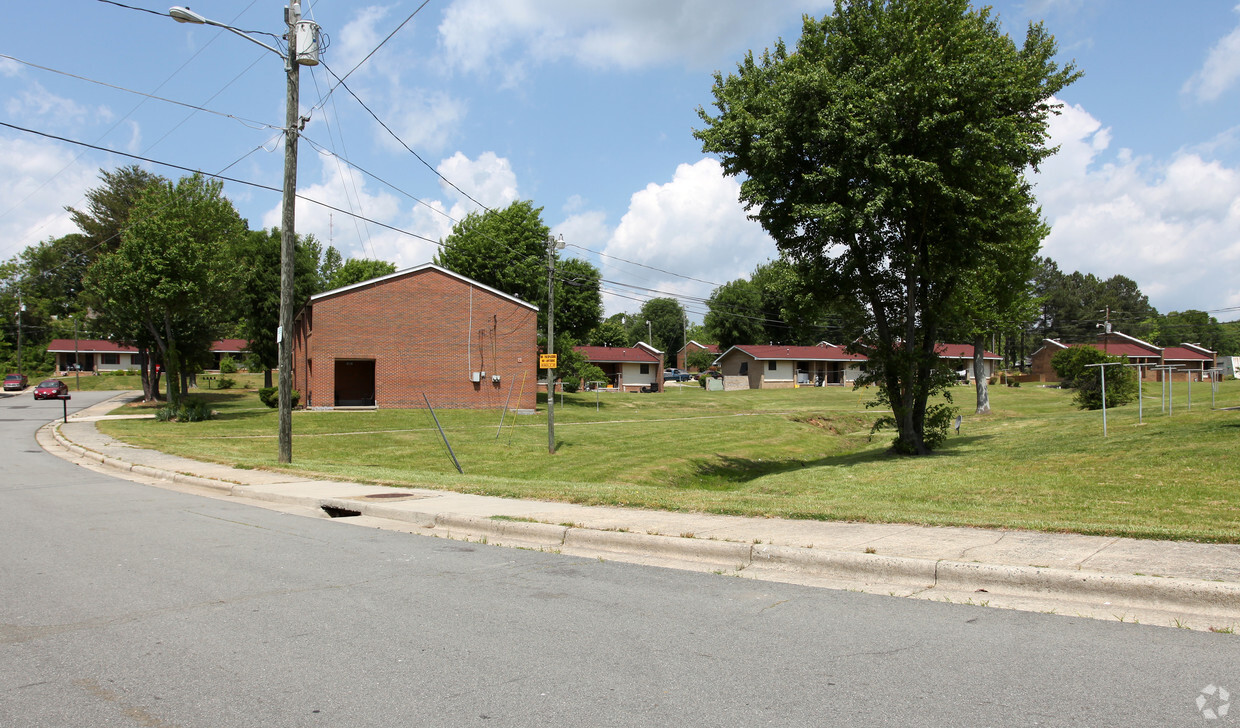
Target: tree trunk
[[145, 371], [980, 380], [267, 378]]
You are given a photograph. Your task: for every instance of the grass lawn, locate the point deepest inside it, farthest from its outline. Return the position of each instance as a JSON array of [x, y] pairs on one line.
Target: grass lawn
[[1035, 463], [91, 382]]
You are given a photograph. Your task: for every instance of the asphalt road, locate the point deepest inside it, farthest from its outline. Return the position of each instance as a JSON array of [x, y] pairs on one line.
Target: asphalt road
[[129, 605]]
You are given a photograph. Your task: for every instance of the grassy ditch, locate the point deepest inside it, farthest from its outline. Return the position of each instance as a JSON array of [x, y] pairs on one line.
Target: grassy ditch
[[1035, 463]]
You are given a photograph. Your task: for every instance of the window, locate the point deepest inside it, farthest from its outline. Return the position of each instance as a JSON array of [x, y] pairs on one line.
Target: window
[[744, 368], [109, 358], [645, 368], [770, 366]]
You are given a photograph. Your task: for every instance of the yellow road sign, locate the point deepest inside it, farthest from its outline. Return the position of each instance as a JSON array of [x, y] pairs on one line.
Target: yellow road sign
[[547, 361]]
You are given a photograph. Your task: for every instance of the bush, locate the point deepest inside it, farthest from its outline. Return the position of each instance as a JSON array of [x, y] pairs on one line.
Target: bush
[[226, 383], [270, 396], [1072, 366], [228, 366], [190, 410]]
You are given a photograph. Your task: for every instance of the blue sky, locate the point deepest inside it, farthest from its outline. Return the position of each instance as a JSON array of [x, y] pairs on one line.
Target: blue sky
[[587, 108]]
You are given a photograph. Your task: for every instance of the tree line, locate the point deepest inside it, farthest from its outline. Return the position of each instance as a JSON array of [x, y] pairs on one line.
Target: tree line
[[167, 267]]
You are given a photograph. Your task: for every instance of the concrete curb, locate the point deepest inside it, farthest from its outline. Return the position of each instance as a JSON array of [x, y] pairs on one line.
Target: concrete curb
[[1221, 599]]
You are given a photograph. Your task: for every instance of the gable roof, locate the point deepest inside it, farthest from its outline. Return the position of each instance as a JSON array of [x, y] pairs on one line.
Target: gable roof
[[767, 352], [619, 354], [962, 351], [101, 346], [1183, 353], [712, 348], [418, 269]]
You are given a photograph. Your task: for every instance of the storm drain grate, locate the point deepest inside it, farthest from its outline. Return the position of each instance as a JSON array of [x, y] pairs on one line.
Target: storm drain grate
[[387, 495], [335, 512]]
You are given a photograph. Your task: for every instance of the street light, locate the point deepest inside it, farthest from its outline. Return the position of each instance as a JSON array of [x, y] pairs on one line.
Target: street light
[[303, 50]]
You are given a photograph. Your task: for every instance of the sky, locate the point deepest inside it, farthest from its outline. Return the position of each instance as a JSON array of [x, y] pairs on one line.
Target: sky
[[588, 109]]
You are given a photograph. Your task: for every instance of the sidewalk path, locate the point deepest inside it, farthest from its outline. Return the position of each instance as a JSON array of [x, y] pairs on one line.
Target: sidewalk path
[[1170, 583]]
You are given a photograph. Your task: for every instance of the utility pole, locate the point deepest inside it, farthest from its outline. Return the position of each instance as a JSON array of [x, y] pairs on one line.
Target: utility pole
[[288, 235], [303, 50], [20, 307], [552, 246]]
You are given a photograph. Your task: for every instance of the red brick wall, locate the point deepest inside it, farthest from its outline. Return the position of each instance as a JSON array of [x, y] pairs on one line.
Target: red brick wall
[[425, 337]]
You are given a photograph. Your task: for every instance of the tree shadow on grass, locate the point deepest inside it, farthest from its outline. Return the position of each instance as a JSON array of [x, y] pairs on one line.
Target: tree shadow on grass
[[726, 472]]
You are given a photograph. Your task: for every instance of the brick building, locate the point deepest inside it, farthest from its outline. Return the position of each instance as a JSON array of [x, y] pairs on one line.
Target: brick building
[[628, 368], [427, 331], [1189, 359]]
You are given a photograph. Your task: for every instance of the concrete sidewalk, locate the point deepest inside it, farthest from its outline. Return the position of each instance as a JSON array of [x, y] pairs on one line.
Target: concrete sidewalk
[[1170, 583]]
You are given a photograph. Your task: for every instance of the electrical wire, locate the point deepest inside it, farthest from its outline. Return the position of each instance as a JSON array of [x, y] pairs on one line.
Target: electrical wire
[[249, 123], [341, 79]]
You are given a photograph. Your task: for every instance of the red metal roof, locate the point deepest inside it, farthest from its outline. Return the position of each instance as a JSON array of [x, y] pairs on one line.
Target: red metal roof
[[100, 346], [617, 354], [961, 351], [1179, 353], [798, 353], [1117, 348]]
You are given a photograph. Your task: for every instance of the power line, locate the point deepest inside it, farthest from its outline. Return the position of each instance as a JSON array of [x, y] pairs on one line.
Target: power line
[[250, 123], [408, 148], [341, 79]]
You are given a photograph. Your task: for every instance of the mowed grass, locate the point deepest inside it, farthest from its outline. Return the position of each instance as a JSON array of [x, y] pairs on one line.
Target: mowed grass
[[1036, 462], [90, 382]]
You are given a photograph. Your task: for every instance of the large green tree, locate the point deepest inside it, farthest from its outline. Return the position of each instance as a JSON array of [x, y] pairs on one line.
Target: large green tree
[[172, 276], [884, 150], [357, 270], [258, 300], [507, 250], [734, 314], [109, 205], [660, 323]]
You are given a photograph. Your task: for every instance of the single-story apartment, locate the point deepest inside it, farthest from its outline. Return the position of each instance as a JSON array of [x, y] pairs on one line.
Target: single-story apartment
[[423, 333], [768, 366], [682, 356], [960, 358], [97, 355], [1191, 357], [628, 368]]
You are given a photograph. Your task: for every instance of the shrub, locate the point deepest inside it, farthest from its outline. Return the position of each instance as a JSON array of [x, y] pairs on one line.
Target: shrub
[[270, 396], [1072, 366], [190, 410], [228, 366], [226, 383]]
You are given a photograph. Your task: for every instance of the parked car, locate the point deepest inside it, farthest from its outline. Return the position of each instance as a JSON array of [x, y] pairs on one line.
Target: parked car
[[676, 375], [51, 389], [15, 382]]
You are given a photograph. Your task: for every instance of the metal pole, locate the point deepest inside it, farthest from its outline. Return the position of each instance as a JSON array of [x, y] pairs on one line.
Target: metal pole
[[1190, 390], [288, 232], [551, 343], [77, 374], [20, 308]]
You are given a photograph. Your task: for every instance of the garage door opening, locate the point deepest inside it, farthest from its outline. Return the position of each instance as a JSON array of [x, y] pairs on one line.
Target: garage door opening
[[355, 383]]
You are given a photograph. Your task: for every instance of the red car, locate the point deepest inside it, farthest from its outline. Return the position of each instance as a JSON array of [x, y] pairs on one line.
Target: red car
[[51, 389], [14, 382]]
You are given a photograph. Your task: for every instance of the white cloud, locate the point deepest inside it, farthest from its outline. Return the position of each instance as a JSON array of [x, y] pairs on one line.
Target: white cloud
[[1220, 70], [693, 225], [1171, 225], [422, 119], [488, 178], [474, 34], [37, 180], [357, 38], [36, 102]]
